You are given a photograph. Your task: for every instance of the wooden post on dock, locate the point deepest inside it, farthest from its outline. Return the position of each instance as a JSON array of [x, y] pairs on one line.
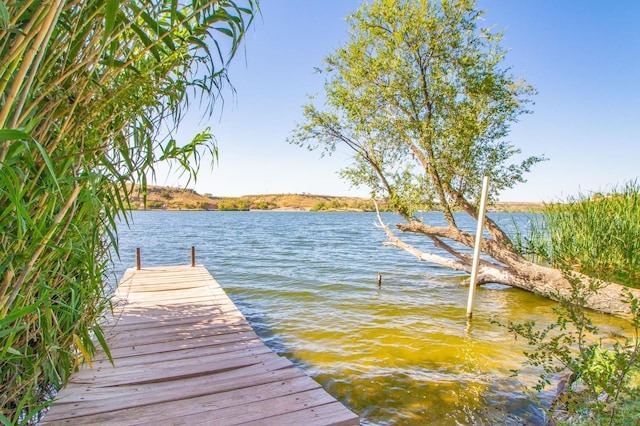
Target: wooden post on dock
[[478, 243], [193, 256], [138, 258]]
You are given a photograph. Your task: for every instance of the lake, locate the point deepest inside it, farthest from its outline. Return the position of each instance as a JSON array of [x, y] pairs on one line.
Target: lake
[[307, 282]]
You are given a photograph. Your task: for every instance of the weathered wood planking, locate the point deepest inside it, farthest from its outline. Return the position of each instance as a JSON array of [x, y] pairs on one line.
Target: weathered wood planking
[[184, 354]]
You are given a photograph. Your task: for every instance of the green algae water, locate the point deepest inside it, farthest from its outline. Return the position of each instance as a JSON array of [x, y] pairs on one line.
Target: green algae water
[[401, 353]]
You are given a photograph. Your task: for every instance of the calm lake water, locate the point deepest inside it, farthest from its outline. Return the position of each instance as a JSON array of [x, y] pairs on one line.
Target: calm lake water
[[307, 281]]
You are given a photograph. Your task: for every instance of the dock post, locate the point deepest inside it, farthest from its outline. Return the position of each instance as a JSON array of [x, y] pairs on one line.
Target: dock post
[[138, 258], [193, 256]]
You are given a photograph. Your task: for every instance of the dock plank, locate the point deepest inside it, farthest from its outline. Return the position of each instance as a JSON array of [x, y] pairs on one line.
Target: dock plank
[[184, 354], [81, 396], [222, 342], [203, 405]]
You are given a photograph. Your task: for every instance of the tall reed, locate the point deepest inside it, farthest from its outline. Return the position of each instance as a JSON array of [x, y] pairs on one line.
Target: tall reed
[[91, 93], [598, 235]]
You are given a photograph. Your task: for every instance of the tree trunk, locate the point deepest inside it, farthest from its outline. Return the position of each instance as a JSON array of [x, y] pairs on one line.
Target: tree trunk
[[514, 270], [608, 297]]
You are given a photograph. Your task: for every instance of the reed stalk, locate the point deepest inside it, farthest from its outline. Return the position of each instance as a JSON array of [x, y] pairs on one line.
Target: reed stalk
[[598, 235], [86, 87]]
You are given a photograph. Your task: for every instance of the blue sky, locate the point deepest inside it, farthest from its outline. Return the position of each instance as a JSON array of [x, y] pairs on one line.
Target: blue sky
[[582, 56]]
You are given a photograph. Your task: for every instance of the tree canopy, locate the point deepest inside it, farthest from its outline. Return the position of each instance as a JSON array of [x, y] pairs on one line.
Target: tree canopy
[[419, 94]]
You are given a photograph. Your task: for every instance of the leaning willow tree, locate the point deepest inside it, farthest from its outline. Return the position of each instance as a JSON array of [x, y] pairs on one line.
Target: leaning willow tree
[[419, 94], [91, 92]]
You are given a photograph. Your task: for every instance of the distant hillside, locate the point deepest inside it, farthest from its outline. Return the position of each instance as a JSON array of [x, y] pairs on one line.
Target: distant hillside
[[170, 198], [301, 202]]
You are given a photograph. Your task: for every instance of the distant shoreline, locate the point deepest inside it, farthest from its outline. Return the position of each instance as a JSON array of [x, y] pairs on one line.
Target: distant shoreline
[[177, 199]]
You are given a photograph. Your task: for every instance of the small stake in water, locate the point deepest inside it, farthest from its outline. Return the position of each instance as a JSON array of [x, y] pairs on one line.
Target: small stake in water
[[478, 243], [379, 280]]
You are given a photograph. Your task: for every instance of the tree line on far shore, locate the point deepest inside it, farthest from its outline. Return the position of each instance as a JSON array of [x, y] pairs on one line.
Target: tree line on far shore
[[174, 198]]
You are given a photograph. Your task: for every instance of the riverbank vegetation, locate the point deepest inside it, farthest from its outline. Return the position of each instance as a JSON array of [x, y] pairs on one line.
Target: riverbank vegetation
[[172, 198], [597, 235], [592, 377], [596, 375], [92, 93]]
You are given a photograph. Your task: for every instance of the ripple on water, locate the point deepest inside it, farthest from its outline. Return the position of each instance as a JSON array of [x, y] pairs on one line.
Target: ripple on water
[[401, 353]]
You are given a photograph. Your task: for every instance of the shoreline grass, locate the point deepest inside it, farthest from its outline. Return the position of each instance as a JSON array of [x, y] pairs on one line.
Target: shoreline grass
[[598, 235]]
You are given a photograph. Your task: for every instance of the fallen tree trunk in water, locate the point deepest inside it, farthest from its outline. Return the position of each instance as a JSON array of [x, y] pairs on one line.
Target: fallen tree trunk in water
[[512, 269]]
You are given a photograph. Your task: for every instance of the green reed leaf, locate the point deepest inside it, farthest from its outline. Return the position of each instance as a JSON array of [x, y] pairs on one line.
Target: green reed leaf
[[111, 11], [5, 421], [107, 80], [4, 16], [13, 135]]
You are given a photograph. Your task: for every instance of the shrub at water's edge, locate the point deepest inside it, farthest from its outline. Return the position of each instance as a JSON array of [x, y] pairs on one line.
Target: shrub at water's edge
[[86, 87], [591, 377]]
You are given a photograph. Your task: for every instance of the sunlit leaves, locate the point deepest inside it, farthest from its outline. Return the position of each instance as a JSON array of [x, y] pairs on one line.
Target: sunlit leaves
[[596, 234], [421, 84], [4, 16], [590, 370]]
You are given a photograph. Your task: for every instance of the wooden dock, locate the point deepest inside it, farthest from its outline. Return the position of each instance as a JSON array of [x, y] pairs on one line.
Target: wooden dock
[[184, 354]]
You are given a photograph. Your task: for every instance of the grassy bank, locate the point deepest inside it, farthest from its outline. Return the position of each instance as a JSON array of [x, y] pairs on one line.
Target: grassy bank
[[597, 235], [596, 375]]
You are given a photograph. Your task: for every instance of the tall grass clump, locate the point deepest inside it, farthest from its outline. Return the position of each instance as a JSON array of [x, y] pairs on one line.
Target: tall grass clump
[[91, 94], [598, 235]]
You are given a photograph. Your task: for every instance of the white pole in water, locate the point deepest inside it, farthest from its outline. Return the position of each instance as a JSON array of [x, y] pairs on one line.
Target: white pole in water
[[476, 249]]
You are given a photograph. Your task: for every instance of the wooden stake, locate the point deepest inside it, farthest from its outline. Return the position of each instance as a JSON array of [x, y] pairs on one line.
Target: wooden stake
[[138, 258], [478, 243], [193, 256]]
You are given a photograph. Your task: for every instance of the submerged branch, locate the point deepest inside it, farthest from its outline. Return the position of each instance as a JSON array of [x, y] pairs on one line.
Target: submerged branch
[[394, 241], [493, 248], [488, 272]]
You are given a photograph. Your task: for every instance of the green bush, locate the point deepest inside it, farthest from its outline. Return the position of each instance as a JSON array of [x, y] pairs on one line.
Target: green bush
[[155, 204], [231, 204], [596, 375], [261, 205], [319, 206]]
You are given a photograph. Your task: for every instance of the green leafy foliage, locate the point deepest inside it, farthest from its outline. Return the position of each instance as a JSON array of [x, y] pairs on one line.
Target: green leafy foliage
[[593, 373], [233, 204], [91, 94], [598, 236], [418, 94]]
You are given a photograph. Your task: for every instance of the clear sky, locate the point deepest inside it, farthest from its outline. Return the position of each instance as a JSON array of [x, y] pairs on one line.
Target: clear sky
[[583, 57]]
